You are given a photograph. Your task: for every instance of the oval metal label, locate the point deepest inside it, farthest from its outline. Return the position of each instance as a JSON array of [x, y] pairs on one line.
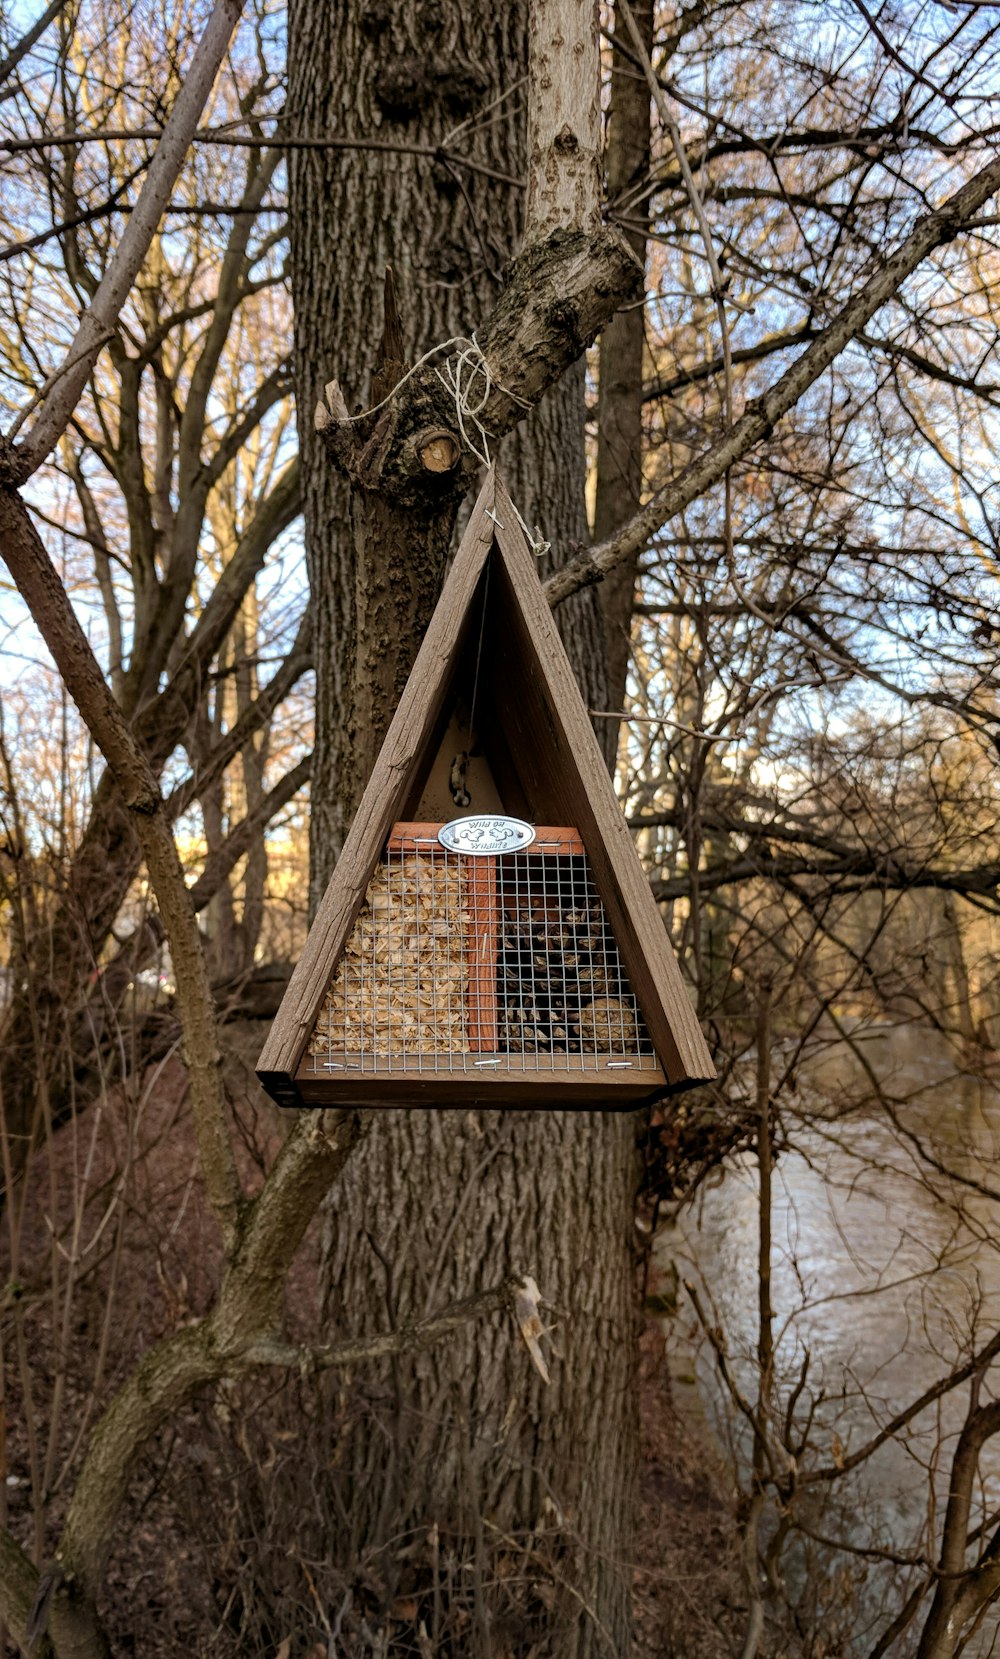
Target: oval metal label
[[486, 836]]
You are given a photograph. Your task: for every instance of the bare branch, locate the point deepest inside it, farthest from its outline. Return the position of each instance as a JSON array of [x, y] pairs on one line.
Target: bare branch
[[29, 39], [408, 1337], [48, 602], [761, 415], [101, 316], [937, 1391], [242, 837], [212, 765]]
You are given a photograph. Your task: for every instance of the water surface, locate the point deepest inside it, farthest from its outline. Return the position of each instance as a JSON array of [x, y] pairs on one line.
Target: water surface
[[884, 1269]]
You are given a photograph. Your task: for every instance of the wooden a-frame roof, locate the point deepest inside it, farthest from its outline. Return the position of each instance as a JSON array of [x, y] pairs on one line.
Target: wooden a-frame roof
[[549, 769]]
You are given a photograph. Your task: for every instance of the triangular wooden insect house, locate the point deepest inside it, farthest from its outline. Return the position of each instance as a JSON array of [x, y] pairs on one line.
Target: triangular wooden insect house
[[465, 956]]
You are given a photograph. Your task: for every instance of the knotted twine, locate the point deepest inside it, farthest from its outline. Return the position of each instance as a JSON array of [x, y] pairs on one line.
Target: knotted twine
[[468, 379]]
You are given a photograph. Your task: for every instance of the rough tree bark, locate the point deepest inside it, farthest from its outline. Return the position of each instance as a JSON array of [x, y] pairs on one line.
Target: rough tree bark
[[438, 1201], [620, 364]]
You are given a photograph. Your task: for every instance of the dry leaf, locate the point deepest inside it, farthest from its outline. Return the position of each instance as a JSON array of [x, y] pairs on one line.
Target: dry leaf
[[546, 1594], [527, 1297]]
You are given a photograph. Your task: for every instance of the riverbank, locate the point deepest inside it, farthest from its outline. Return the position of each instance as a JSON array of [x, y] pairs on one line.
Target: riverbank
[[689, 1601]]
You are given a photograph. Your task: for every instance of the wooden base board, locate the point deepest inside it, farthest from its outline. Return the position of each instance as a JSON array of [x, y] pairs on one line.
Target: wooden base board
[[566, 1082]]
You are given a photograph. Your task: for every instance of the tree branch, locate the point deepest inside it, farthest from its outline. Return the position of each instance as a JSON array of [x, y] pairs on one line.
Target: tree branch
[[560, 293], [241, 839], [944, 1385], [50, 608], [871, 869], [237, 1336], [763, 413], [682, 379], [212, 765], [406, 1338], [24, 45], [18, 1586], [248, 1308], [101, 316]]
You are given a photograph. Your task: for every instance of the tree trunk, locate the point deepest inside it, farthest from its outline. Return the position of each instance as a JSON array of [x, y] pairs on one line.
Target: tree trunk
[[530, 1488], [544, 465], [414, 74], [523, 1481], [620, 364]]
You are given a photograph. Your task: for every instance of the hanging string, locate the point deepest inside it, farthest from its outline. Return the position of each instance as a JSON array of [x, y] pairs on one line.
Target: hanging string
[[468, 380], [460, 376]]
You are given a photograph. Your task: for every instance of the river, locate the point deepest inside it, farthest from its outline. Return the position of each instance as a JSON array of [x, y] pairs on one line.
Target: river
[[881, 1268]]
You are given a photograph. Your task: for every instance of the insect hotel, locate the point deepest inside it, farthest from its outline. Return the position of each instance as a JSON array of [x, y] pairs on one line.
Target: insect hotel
[[488, 936]]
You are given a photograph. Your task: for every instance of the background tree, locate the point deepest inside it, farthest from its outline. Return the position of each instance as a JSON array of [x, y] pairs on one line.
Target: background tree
[[172, 486]]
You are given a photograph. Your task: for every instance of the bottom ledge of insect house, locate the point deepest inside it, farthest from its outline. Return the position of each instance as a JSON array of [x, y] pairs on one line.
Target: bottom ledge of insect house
[[535, 1079]]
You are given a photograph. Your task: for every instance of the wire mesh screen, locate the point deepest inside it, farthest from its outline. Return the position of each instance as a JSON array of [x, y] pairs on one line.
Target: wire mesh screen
[[460, 963]]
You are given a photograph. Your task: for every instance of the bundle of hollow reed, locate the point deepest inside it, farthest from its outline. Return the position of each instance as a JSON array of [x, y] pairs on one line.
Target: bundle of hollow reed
[[560, 981], [402, 984]]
